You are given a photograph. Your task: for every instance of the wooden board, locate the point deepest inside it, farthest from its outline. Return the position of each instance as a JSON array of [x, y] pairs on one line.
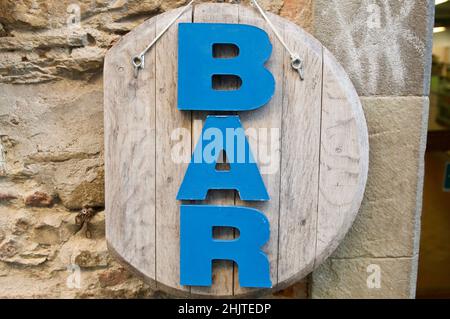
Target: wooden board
[[316, 179], [301, 130], [223, 270], [130, 142], [268, 117], [169, 175]]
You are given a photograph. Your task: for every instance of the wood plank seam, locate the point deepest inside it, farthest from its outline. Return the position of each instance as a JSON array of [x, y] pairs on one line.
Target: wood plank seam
[[280, 167], [320, 159], [217, 13], [156, 152]]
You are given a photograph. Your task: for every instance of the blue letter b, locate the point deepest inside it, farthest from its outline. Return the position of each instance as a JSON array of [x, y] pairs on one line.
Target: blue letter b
[[197, 66]]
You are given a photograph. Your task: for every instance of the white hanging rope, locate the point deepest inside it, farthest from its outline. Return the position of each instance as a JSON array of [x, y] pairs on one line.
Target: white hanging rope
[[296, 61], [138, 61]]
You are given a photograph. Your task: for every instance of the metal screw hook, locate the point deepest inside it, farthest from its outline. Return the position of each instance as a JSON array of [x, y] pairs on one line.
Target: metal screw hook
[[138, 62], [297, 64], [296, 61]]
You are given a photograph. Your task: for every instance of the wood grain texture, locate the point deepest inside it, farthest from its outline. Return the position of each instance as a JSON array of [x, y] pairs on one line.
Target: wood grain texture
[[316, 188], [169, 175], [344, 158], [129, 150], [299, 159], [265, 141]]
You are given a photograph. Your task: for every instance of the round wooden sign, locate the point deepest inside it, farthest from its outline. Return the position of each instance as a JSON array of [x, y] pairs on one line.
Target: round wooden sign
[[316, 178]]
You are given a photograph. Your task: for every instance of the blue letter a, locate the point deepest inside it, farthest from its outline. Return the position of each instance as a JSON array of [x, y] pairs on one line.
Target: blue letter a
[[225, 133], [198, 248]]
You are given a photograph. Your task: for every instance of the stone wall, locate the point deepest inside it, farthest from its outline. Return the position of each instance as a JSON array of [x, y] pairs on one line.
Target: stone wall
[[51, 141], [385, 46]]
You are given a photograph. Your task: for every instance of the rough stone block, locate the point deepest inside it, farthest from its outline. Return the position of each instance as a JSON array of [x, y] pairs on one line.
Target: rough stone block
[[298, 11], [52, 135], [388, 218], [365, 278], [385, 46], [39, 199]]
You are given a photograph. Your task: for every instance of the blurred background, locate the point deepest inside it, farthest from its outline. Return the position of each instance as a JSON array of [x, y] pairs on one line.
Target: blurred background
[[434, 258]]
